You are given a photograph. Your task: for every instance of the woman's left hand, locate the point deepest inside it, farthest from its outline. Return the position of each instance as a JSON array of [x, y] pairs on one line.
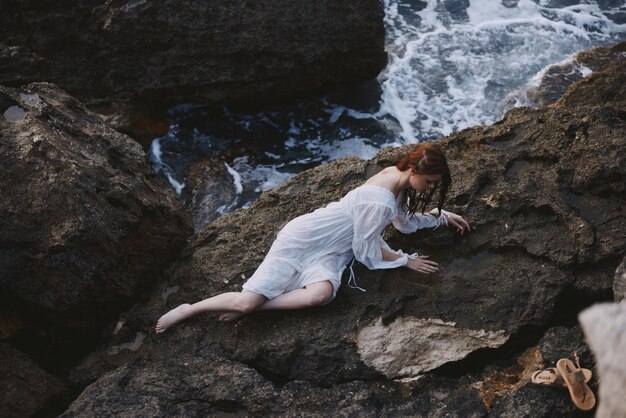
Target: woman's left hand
[[457, 221]]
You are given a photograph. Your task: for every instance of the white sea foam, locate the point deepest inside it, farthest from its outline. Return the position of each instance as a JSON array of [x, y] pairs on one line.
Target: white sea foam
[[272, 155], [360, 147], [159, 166], [259, 177], [585, 71], [178, 187], [290, 142], [454, 72], [156, 153], [336, 114], [236, 178]]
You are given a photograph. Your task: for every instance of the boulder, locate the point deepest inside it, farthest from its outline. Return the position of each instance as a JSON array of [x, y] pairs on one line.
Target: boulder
[[210, 385], [85, 226], [543, 190], [605, 330], [26, 389], [193, 50]]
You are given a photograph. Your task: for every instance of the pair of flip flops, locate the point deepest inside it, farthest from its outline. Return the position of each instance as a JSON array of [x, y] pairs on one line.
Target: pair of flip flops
[[571, 376]]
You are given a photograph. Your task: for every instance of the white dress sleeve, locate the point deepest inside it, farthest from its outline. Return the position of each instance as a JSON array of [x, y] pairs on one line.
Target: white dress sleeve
[[407, 224], [369, 220]]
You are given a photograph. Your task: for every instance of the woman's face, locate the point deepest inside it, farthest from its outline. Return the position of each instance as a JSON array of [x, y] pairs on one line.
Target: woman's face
[[423, 182]]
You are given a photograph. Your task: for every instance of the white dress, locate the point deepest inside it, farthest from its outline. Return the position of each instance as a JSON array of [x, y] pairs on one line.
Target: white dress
[[318, 246]]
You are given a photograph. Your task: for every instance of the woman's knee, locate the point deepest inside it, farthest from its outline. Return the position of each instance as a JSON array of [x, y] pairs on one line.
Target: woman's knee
[[321, 292], [248, 302]]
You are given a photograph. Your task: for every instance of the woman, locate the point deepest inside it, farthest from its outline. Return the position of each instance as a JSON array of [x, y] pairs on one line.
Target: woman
[[304, 265]]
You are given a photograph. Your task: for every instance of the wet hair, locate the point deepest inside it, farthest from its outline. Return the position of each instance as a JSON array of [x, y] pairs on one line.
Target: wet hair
[[425, 159]]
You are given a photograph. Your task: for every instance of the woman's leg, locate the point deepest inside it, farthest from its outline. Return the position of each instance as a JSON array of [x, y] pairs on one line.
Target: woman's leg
[[239, 302], [313, 294]]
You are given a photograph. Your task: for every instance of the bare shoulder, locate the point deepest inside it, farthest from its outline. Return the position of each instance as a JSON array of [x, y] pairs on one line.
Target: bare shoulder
[[387, 178]]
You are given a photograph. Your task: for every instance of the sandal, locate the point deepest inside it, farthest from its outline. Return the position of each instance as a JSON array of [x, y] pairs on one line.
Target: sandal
[[574, 378], [552, 378]]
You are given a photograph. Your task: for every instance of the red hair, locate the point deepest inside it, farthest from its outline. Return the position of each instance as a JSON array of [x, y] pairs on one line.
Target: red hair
[[426, 159]]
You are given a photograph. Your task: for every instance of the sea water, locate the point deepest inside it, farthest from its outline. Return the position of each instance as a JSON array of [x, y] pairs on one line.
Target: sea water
[[452, 64]]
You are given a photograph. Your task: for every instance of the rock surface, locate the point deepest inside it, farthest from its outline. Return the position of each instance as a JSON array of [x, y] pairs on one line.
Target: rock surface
[[214, 386], [558, 78], [192, 50], [84, 225], [605, 330], [210, 191], [26, 389], [542, 188], [412, 346]]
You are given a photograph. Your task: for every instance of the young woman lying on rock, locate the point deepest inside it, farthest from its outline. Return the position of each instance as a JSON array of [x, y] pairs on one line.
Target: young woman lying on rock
[[304, 265]]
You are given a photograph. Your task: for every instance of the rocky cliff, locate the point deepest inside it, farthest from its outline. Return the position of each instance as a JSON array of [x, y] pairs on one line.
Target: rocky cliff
[[544, 190], [171, 52]]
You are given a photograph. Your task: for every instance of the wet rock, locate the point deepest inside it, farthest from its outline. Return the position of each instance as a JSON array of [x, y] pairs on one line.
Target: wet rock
[[605, 330], [85, 227], [210, 191], [559, 77], [555, 82], [543, 190], [172, 51], [26, 389], [619, 284]]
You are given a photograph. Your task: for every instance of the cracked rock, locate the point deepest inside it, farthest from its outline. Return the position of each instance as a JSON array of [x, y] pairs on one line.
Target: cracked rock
[[408, 346]]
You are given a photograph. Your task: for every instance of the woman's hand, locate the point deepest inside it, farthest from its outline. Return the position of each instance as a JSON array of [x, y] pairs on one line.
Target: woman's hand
[[422, 264], [454, 219]]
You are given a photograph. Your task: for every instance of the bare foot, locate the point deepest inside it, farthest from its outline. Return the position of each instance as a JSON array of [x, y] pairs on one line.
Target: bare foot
[[230, 316], [172, 318]]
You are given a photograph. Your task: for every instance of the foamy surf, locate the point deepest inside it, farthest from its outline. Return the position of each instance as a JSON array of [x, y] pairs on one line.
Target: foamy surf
[[450, 67], [454, 67]]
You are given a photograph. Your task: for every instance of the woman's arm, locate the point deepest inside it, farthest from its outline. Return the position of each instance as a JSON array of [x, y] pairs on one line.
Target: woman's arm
[[369, 219], [452, 218], [408, 224], [420, 263]]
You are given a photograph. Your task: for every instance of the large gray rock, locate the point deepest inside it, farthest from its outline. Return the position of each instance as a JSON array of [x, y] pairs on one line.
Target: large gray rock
[[84, 225], [193, 50], [605, 330]]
